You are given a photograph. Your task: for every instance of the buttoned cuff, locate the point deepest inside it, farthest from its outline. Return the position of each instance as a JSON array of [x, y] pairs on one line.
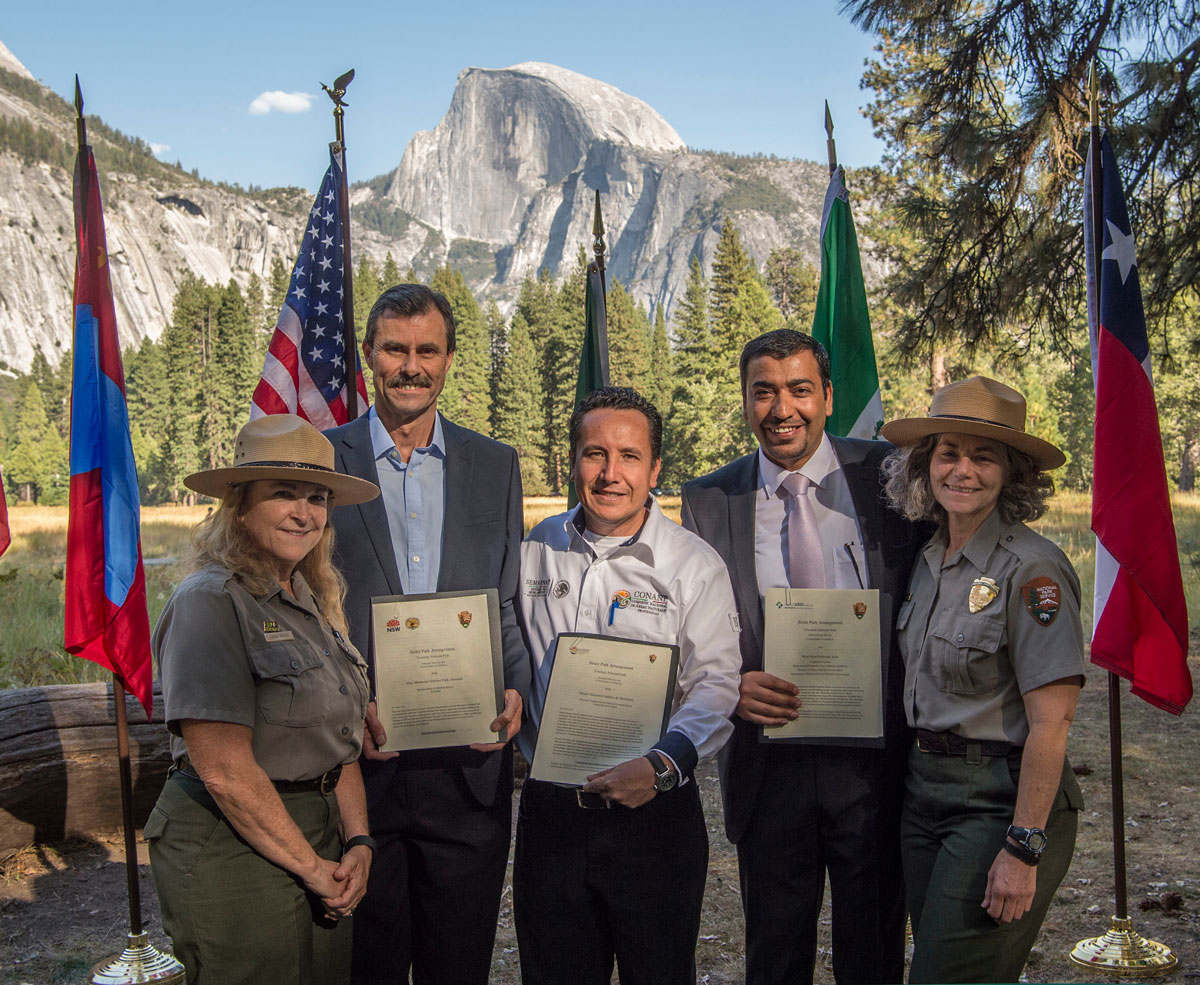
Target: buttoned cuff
[[679, 748]]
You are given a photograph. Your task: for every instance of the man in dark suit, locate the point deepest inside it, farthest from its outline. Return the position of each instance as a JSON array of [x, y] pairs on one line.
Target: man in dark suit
[[797, 810], [448, 518]]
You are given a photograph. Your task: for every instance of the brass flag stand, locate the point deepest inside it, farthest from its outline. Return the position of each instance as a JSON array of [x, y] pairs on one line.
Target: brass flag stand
[[1121, 951]]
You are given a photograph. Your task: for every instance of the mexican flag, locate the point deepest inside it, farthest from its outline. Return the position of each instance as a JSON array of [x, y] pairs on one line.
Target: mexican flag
[[842, 324]]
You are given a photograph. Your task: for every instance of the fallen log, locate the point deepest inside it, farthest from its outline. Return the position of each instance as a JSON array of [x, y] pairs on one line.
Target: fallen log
[[58, 763]]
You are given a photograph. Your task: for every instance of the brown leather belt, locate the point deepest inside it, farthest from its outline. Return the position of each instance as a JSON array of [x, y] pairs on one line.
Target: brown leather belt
[[326, 783], [953, 744]]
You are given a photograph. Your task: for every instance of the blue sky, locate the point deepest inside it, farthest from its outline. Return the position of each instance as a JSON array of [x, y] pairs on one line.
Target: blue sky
[[739, 77]]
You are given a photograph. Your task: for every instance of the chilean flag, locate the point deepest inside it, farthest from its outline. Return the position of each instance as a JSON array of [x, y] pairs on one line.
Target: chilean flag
[[1141, 623], [106, 617]]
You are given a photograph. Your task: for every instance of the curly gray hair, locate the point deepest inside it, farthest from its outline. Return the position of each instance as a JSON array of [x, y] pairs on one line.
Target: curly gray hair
[[1023, 497]]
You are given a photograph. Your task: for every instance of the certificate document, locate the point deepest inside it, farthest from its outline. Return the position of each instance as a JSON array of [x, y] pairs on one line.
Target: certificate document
[[826, 642], [608, 701], [439, 669]]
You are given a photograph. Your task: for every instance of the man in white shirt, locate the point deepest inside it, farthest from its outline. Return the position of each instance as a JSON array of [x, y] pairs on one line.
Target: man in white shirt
[[806, 510], [616, 869]]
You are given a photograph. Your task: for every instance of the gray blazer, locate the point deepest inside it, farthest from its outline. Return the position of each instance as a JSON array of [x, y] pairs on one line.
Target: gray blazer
[[481, 548], [720, 508]]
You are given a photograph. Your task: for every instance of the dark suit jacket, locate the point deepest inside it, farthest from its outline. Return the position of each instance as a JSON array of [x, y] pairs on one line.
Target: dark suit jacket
[[481, 548], [720, 508]]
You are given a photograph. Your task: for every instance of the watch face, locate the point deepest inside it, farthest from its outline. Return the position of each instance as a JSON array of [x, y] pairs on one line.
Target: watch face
[[1036, 841], [666, 781]]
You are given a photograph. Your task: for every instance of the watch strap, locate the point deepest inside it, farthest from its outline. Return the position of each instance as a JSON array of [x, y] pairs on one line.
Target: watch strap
[[664, 776], [360, 840], [1021, 852]]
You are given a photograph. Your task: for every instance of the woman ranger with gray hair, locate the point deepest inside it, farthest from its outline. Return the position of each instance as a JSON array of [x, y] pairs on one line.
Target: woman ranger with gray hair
[[258, 842], [993, 652]]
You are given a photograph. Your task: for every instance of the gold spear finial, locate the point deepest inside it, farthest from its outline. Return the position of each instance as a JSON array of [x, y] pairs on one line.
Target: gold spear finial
[[598, 233], [830, 146], [1094, 96]]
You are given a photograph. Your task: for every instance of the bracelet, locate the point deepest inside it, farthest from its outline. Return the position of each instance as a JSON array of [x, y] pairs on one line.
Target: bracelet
[[360, 840], [1021, 852]]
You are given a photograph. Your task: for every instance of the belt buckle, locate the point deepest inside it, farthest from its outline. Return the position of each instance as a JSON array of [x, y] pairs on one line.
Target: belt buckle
[[579, 795], [328, 783]]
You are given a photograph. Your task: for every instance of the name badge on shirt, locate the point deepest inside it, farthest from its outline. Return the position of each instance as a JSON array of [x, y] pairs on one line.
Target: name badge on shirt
[[279, 636]]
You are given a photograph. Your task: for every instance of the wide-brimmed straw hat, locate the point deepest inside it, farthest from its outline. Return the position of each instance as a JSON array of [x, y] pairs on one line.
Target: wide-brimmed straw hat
[[982, 407], [283, 446]]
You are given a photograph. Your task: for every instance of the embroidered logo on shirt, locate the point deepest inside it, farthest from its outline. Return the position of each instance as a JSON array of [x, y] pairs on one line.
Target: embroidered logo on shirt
[[537, 588], [561, 589], [735, 621], [464, 619], [983, 593], [1043, 598]]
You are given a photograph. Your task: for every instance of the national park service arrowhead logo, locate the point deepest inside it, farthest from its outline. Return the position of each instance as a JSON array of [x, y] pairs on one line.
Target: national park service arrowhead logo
[[653, 657], [1043, 599], [464, 619], [412, 622], [860, 609], [983, 593]]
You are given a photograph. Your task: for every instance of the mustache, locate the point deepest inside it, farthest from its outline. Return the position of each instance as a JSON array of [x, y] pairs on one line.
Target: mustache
[[400, 379]]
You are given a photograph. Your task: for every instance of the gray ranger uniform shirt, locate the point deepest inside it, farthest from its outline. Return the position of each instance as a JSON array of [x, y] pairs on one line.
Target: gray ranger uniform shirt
[[966, 671], [271, 663]]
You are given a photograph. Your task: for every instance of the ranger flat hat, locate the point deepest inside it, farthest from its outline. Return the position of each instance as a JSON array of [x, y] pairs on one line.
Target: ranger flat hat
[[283, 446], [982, 407]]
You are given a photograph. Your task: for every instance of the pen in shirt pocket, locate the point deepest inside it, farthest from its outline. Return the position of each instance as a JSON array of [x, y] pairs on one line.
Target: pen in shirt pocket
[[853, 561]]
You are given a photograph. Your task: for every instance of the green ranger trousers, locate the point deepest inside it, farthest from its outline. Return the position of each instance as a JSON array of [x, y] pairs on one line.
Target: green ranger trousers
[[957, 810], [233, 916]]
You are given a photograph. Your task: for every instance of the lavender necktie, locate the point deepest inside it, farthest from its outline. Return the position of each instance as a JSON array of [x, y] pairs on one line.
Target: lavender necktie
[[806, 562]]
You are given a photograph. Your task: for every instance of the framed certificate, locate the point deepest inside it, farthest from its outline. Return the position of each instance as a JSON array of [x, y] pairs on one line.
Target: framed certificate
[[826, 642], [608, 701], [439, 668]]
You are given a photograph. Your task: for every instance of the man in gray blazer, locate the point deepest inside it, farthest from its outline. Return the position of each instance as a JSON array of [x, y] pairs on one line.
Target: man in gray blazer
[[448, 518], [796, 811]]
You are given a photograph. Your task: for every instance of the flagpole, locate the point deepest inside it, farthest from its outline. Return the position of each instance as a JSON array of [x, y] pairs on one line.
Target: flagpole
[[348, 335], [140, 961], [1121, 951]]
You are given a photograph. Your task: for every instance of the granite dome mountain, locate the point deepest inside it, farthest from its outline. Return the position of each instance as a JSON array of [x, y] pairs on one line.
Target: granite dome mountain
[[500, 188]]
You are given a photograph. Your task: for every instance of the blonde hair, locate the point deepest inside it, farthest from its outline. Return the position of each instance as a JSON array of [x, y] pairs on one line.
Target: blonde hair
[[221, 538]]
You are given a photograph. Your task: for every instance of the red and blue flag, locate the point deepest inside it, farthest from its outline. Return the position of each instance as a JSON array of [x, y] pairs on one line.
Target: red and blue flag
[[1141, 623], [106, 617]]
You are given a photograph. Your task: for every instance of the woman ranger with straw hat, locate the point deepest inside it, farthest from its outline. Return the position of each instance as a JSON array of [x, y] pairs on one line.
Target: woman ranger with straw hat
[[258, 842], [993, 652]]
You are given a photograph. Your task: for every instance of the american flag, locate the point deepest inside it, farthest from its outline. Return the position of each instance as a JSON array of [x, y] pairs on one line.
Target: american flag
[[305, 369], [1141, 622]]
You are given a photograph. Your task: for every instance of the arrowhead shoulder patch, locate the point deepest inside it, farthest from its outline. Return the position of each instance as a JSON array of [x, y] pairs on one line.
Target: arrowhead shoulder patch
[[1043, 599]]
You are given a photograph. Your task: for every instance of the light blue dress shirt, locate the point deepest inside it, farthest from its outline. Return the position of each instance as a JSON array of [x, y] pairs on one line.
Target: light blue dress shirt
[[414, 495]]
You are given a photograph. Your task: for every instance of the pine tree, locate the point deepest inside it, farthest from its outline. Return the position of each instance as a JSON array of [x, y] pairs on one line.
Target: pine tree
[[367, 289], [739, 304], [390, 275], [694, 349], [660, 363], [497, 349], [466, 399], [793, 282], [231, 378], [277, 287], [628, 340], [38, 466], [517, 412], [187, 342]]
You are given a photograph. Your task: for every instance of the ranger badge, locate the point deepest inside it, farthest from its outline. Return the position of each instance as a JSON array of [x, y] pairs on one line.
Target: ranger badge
[[983, 593]]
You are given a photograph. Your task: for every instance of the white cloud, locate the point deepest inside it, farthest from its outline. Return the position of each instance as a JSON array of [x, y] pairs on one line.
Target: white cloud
[[284, 102], [157, 149]]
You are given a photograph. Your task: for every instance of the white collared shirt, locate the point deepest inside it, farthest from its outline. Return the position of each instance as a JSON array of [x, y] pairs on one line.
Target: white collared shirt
[[837, 522], [679, 593]]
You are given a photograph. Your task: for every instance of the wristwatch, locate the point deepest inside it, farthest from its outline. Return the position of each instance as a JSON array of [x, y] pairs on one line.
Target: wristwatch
[[1030, 843], [366, 840], [665, 778]]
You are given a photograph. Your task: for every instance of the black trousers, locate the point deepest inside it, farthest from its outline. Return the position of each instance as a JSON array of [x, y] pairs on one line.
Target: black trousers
[[824, 808], [593, 885], [434, 891]]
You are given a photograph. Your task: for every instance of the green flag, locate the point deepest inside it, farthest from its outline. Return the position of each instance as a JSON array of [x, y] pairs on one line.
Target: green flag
[[841, 322], [593, 360]]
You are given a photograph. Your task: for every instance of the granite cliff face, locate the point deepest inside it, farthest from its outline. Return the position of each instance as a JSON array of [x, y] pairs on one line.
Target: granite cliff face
[[501, 188], [506, 179]]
